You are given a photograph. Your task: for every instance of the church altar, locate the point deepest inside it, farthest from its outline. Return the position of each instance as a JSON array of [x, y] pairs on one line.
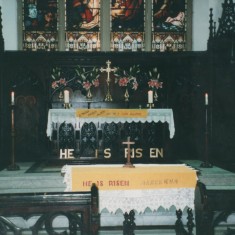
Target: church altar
[[77, 117], [147, 186], [99, 133]]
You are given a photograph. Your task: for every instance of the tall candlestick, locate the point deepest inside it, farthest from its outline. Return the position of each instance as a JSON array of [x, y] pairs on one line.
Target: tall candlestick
[[150, 96], [12, 97], [66, 96], [206, 99]]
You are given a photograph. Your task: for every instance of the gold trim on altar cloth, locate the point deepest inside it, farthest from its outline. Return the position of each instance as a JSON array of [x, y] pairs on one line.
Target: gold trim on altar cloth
[[131, 113]]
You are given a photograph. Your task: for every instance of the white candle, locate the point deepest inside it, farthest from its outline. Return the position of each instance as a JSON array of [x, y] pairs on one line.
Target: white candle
[[12, 97], [206, 99], [150, 97], [66, 96]]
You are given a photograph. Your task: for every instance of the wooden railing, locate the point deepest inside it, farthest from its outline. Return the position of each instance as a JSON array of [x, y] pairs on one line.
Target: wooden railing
[[80, 209]]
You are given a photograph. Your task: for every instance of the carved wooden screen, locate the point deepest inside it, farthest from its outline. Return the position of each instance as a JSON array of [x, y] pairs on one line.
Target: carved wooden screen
[[82, 19], [169, 25], [127, 25], [40, 25]]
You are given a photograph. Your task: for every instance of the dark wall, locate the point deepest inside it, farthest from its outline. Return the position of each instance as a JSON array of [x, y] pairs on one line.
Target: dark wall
[[185, 80], [223, 103]]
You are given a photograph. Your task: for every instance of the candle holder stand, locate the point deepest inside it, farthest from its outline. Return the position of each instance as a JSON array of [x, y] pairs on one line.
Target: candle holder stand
[[150, 105], [13, 166], [206, 163], [67, 105], [108, 96]]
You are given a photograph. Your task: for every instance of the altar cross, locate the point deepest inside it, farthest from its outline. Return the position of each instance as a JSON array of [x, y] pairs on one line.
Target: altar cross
[[108, 70], [128, 163]]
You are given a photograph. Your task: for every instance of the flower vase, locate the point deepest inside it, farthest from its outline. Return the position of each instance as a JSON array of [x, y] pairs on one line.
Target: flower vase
[[126, 95], [155, 96], [89, 95]]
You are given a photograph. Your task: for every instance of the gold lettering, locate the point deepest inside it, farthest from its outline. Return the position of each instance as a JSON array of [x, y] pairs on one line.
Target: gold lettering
[[63, 154], [70, 153], [107, 153], [155, 152], [138, 153], [66, 153], [132, 152]]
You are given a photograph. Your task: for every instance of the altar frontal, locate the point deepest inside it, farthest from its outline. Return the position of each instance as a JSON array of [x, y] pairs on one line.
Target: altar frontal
[[113, 177], [150, 185]]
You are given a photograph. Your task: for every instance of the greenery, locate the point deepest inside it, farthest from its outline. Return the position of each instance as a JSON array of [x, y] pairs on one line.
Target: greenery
[[81, 79], [153, 79], [87, 79], [128, 78]]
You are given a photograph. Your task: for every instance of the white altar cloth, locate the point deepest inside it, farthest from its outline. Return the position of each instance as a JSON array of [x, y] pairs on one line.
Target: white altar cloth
[[69, 116], [141, 200]]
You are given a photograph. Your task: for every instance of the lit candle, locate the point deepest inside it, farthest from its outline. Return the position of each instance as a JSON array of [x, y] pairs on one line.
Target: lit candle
[[150, 97], [206, 99], [66, 96], [12, 97]]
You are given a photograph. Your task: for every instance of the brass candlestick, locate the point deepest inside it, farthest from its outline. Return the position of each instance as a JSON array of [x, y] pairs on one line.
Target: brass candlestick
[[150, 105], [67, 105], [13, 166], [108, 96], [206, 163]]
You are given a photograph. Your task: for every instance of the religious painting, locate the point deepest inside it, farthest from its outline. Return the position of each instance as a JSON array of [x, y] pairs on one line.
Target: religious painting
[[168, 29], [127, 25], [169, 15], [40, 15], [82, 19], [40, 25]]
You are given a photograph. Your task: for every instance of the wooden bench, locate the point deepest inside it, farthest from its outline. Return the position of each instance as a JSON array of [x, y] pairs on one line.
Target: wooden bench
[[80, 208]]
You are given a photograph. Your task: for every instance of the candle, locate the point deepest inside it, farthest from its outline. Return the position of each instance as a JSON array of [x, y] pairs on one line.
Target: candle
[[12, 97], [66, 96], [150, 97], [206, 99]]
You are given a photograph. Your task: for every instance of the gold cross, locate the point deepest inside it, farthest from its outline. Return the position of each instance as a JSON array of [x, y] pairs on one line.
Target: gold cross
[[128, 163], [108, 70]]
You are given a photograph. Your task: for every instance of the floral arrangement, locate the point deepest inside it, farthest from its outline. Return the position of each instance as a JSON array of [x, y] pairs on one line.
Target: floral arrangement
[[128, 78], [57, 79], [82, 79], [154, 82], [87, 79]]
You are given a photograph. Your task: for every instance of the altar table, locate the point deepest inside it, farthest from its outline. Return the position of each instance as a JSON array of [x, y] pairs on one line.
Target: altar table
[[145, 186], [77, 117]]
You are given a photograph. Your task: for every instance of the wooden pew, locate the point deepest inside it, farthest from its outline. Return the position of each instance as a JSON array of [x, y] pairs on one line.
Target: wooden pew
[[80, 208]]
